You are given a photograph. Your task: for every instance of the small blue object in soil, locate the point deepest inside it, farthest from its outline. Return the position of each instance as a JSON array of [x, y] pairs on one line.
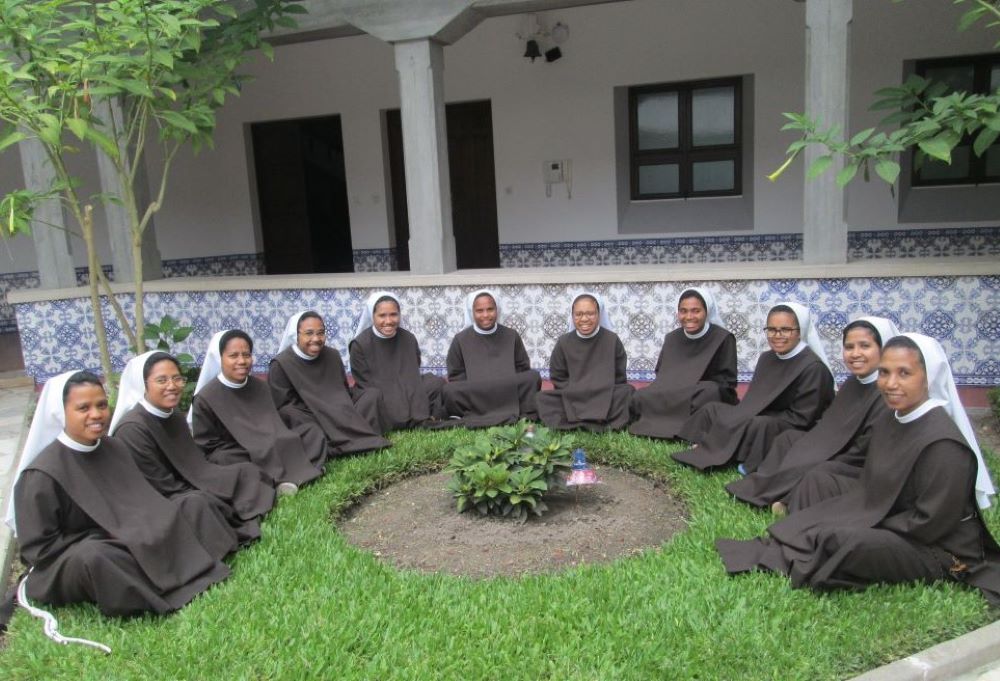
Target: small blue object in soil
[[741, 469], [580, 459]]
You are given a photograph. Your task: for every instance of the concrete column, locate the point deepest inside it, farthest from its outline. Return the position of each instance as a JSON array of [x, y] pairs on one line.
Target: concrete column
[[824, 238], [119, 229], [420, 64], [48, 228]]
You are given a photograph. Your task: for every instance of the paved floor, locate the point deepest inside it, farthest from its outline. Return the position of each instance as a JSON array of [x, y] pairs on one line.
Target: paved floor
[[16, 396]]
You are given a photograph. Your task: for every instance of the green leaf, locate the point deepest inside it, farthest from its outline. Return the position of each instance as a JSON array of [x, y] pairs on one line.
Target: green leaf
[[847, 173], [78, 126], [937, 148], [861, 136], [888, 170], [819, 166], [105, 142], [13, 136], [268, 50], [984, 140], [177, 120]]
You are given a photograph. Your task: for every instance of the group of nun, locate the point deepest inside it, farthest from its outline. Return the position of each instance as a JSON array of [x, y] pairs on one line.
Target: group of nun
[[879, 482]]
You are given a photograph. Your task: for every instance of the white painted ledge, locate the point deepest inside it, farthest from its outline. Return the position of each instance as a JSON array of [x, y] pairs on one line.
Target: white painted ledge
[[905, 267]]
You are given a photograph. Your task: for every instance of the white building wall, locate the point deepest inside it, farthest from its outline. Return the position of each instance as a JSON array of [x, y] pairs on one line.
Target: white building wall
[[541, 111]]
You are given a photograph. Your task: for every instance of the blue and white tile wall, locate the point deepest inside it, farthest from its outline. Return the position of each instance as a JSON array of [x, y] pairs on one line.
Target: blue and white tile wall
[[868, 245], [963, 312], [240, 264]]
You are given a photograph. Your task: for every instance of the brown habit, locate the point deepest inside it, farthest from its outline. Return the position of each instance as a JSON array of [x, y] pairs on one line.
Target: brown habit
[[233, 425], [315, 391], [690, 373], [842, 435], [171, 461], [94, 530], [913, 517], [392, 365], [490, 379], [783, 394], [590, 388]]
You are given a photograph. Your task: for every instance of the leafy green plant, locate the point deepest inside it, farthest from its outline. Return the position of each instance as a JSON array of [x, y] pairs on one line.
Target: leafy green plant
[[507, 470], [120, 78], [994, 395], [930, 121]]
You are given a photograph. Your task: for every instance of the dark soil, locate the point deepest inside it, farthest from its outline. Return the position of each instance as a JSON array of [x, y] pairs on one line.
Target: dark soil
[[414, 524]]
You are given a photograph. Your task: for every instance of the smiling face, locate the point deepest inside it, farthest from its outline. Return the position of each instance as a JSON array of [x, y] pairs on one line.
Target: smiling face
[[385, 318], [585, 315], [902, 379], [691, 313], [782, 332], [164, 385], [236, 360], [87, 413], [861, 352], [311, 336], [484, 312]]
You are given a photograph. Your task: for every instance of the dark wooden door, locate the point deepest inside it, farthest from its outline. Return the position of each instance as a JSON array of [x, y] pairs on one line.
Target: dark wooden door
[[302, 195], [473, 184]]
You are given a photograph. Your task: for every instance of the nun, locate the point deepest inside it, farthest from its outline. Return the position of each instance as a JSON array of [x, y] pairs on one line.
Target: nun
[[696, 366], [233, 418], [386, 357], [791, 387], [915, 515], [149, 424], [309, 386], [832, 453], [490, 379], [90, 528], [587, 369]]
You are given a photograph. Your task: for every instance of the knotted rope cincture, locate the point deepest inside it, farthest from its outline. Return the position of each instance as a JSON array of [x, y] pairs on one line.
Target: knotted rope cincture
[[51, 627]]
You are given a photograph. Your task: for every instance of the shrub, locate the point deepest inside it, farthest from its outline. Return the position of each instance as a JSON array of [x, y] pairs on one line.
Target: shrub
[[994, 395], [507, 470]]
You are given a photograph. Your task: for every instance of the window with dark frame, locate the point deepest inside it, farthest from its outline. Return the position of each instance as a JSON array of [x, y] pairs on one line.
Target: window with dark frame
[[685, 139], [977, 74]]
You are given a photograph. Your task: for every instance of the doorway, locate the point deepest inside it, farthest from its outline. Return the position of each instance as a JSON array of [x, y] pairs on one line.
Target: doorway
[[473, 184], [302, 195]]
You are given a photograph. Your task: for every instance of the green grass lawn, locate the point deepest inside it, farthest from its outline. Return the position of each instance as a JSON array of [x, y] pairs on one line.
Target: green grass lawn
[[303, 604]]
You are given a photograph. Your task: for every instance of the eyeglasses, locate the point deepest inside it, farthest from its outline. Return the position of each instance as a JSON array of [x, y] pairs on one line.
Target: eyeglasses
[[584, 315], [162, 381], [313, 334], [781, 332]]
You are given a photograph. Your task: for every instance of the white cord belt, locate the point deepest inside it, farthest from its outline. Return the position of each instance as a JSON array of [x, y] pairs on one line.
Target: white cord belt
[[51, 627]]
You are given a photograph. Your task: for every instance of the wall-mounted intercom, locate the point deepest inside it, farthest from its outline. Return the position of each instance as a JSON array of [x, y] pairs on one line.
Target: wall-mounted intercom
[[558, 172]]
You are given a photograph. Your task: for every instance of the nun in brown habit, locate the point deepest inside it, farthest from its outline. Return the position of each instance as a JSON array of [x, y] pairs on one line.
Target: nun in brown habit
[[914, 516], [838, 443], [587, 368], [696, 366], [386, 357], [490, 379], [233, 418], [149, 424], [309, 386], [89, 525], [791, 388]]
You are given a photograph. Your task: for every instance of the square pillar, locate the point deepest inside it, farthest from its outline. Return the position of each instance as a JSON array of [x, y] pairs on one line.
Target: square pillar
[[48, 226], [824, 230], [420, 64], [119, 228]]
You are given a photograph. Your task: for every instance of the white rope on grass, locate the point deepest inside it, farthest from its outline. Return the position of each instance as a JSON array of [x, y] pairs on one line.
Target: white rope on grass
[[51, 627]]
